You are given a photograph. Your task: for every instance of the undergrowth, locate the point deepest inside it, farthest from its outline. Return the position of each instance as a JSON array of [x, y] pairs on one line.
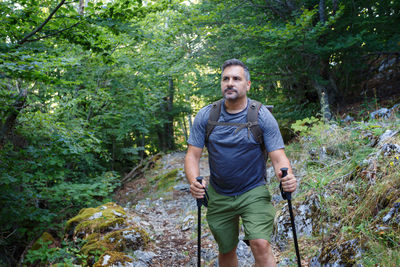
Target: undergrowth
[[357, 185]]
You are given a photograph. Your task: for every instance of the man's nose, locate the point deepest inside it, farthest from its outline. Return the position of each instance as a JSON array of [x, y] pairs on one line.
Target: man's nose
[[230, 82]]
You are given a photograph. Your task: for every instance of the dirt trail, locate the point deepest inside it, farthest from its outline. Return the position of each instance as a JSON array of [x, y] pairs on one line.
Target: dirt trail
[[170, 217]]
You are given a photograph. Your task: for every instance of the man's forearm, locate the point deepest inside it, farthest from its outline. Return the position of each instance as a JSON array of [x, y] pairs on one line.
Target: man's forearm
[[192, 169], [279, 160]]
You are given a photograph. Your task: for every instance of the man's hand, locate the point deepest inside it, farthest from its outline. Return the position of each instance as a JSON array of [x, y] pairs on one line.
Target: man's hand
[[279, 160], [197, 189], [289, 182]]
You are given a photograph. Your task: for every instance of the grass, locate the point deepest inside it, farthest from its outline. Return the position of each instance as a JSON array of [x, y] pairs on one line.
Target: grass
[[357, 186]]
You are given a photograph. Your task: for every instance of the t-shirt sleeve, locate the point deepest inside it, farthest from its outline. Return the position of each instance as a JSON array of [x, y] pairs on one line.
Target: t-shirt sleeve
[[198, 132], [272, 136]]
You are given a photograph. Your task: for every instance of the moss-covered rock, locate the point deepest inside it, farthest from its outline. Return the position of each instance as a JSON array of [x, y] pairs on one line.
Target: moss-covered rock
[[131, 238], [94, 247], [113, 258], [165, 180], [46, 239], [96, 220]]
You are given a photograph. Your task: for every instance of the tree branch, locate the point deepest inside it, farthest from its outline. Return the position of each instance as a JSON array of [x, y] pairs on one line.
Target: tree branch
[[52, 34], [40, 27], [334, 6], [274, 10]]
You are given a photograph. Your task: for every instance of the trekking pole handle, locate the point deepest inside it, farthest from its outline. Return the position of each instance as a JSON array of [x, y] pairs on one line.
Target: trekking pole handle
[[285, 195], [199, 200]]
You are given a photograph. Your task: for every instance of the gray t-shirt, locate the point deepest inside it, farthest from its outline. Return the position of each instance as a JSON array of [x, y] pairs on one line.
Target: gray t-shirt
[[236, 161]]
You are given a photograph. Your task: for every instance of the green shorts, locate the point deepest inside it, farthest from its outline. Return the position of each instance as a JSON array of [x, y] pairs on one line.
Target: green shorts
[[255, 209]]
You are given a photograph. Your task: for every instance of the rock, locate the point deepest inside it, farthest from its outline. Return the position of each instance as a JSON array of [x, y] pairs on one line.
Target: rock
[[380, 113], [384, 113], [132, 238], [209, 254], [287, 262], [245, 256], [306, 216], [348, 119], [46, 239], [386, 135], [270, 175], [390, 149], [184, 187], [114, 259], [386, 64], [393, 216], [98, 219], [344, 254], [188, 223], [145, 257], [96, 216]]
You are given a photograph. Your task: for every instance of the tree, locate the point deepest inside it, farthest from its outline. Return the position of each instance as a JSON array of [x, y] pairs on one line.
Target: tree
[[301, 51]]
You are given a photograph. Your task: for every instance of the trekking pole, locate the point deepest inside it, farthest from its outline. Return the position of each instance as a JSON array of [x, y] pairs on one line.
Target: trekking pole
[[200, 202], [288, 197]]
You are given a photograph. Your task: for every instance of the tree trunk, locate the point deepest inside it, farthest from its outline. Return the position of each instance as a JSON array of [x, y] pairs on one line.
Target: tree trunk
[[334, 7], [169, 126], [189, 118], [184, 128], [142, 143], [321, 10], [324, 100], [81, 7], [11, 119]]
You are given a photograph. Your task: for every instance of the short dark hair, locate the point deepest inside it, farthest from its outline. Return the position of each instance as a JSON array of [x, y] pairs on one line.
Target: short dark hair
[[236, 62]]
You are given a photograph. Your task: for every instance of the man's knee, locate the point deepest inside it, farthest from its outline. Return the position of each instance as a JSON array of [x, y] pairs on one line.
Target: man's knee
[[229, 254], [260, 246]]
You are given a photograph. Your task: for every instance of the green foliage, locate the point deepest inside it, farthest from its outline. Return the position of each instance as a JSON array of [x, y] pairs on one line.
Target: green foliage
[[94, 91], [307, 126], [67, 254]]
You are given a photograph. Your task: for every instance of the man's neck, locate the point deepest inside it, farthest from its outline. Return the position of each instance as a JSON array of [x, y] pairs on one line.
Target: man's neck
[[235, 106]]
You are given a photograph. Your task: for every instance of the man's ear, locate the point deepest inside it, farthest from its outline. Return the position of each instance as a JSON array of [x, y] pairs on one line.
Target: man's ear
[[248, 86]]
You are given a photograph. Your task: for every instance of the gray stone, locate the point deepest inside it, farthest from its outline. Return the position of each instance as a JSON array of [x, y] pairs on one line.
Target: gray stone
[[287, 262], [380, 113], [188, 223], [386, 135], [304, 214], [145, 257], [348, 119], [393, 215], [390, 149], [344, 254], [182, 187], [270, 174]]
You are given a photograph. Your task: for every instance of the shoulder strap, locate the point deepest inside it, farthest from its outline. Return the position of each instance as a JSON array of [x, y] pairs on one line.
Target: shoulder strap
[[213, 117], [252, 119]]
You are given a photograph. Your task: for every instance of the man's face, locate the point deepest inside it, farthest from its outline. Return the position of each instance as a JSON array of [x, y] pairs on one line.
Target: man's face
[[233, 83]]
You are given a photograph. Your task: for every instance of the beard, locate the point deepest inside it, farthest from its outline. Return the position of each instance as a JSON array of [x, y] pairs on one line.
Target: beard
[[231, 93]]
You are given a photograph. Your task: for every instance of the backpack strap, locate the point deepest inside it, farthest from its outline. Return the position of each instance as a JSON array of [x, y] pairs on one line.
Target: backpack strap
[[252, 120], [213, 117]]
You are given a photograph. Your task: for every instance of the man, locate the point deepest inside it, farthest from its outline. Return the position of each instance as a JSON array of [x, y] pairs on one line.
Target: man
[[237, 170]]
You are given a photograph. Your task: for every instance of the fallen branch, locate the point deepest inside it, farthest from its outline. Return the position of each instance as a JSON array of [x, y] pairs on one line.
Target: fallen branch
[[140, 168]]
